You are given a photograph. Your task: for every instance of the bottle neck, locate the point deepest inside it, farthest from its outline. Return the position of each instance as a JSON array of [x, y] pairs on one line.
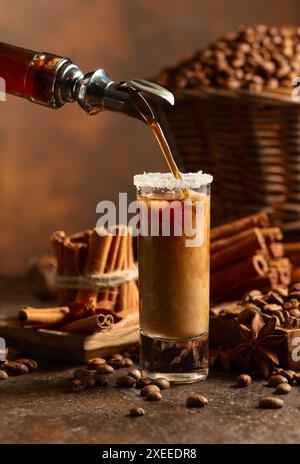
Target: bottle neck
[[30, 74]]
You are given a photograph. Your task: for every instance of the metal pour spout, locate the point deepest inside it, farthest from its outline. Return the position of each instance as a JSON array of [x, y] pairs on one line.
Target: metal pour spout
[[96, 92]]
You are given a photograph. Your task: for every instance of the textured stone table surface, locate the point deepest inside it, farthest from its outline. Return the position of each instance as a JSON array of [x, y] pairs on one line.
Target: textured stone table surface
[[40, 408]]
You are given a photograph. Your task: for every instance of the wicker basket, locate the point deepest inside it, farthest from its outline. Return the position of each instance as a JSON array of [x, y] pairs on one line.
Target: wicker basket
[[249, 142]]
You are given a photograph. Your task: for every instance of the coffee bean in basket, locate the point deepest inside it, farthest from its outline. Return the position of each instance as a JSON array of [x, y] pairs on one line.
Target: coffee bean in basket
[[196, 401], [270, 402], [136, 411], [251, 58]]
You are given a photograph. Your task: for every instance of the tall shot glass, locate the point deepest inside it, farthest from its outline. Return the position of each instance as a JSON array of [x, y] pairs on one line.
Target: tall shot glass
[[173, 257]]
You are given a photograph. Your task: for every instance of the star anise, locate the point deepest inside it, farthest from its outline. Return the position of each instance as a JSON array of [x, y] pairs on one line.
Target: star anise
[[259, 352]]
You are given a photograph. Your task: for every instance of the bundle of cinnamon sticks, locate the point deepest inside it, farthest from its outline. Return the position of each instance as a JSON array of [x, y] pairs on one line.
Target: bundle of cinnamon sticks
[[247, 253], [87, 253]]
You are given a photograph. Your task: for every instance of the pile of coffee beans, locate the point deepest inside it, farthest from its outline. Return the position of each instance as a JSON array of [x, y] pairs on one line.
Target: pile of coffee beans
[[253, 58], [281, 303], [18, 367]]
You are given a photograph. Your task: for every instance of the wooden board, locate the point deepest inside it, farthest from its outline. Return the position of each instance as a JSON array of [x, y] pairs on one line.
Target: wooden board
[[65, 346]]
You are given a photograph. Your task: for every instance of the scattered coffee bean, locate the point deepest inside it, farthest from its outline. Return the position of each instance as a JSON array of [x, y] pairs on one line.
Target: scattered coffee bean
[[295, 287], [142, 382], [100, 380], [116, 363], [275, 380], [125, 381], [105, 369], [243, 380], [3, 375], [196, 401], [289, 375], [136, 411], [78, 385], [162, 383], [127, 362], [150, 389], [15, 368], [31, 364], [153, 396], [270, 402], [283, 389], [135, 374], [95, 363], [117, 356]]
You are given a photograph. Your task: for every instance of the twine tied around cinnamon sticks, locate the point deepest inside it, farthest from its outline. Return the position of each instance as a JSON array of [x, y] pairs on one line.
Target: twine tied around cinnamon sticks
[[95, 267], [100, 281]]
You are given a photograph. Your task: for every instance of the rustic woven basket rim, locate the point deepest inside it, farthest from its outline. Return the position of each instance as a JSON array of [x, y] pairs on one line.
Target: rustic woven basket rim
[[281, 97]]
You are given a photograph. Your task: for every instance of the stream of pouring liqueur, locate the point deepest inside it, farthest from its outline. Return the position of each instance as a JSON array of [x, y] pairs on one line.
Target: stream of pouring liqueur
[[159, 135], [146, 112]]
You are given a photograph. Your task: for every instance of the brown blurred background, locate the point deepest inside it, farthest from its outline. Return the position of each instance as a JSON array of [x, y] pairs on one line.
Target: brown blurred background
[[56, 165]]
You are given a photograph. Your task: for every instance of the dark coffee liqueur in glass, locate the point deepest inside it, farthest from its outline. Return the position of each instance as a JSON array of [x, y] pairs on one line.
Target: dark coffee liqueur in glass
[[174, 277]]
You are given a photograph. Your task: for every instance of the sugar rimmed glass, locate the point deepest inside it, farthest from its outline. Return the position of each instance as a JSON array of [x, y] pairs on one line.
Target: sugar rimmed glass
[[173, 256]]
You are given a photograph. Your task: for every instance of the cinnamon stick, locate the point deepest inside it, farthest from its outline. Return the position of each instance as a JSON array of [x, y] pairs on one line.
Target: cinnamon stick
[[73, 257], [248, 234], [111, 293], [96, 323], [229, 276], [96, 261], [234, 227], [43, 317], [243, 246]]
